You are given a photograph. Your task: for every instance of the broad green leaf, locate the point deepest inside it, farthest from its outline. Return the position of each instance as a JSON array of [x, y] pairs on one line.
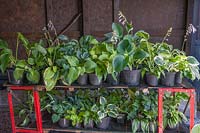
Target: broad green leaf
[[3, 44], [111, 106], [117, 29], [33, 76], [41, 49], [142, 34], [24, 41], [72, 75], [192, 61], [55, 118], [112, 114], [31, 61], [103, 100], [94, 108], [48, 73], [159, 60], [18, 73], [101, 114], [124, 46], [118, 63], [72, 60], [25, 121], [63, 38], [21, 63], [90, 66], [140, 54]]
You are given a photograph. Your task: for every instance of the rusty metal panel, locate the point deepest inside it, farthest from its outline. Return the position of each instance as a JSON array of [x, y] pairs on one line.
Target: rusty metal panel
[[97, 16], [156, 16], [62, 12]]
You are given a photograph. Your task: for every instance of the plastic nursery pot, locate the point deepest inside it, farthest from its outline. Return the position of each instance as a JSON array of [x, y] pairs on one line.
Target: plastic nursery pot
[[11, 79], [104, 124], [131, 77], [151, 79], [93, 79], [111, 80], [83, 79], [78, 125], [63, 123], [121, 118], [89, 125], [178, 78], [168, 79], [3, 79]]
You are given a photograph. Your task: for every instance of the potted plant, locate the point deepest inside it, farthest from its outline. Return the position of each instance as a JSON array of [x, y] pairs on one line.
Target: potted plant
[[104, 111], [172, 116], [153, 64], [129, 57], [59, 109], [142, 112], [75, 117], [85, 44]]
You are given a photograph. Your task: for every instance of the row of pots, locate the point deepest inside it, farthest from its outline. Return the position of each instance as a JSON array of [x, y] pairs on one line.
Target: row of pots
[[128, 77], [133, 77], [104, 124]]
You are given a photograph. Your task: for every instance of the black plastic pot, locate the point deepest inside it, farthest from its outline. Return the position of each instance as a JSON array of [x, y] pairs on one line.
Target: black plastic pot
[[168, 79], [11, 78], [110, 80], [64, 123], [82, 79], [93, 79], [104, 124], [131, 77], [3, 79], [178, 78], [78, 125], [89, 125], [121, 118], [151, 79]]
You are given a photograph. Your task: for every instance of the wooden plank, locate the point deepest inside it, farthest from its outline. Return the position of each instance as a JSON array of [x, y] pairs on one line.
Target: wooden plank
[[97, 15], [157, 17], [62, 12], [22, 15]]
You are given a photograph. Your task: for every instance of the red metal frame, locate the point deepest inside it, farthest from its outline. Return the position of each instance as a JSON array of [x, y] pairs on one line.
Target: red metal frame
[[39, 129], [161, 92], [36, 105]]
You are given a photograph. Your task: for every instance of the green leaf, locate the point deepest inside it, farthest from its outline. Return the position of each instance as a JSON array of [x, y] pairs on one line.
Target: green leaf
[[3, 44], [101, 114], [112, 114], [55, 118], [142, 34], [192, 61], [124, 47], [103, 100], [118, 63], [48, 73], [25, 122], [135, 125], [24, 41], [140, 54], [63, 38], [18, 73], [21, 63], [94, 108], [41, 49], [33, 76], [90, 66], [31, 61], [111, 106], [117, 29], [73, 61], [72, 75], [159, 60]]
